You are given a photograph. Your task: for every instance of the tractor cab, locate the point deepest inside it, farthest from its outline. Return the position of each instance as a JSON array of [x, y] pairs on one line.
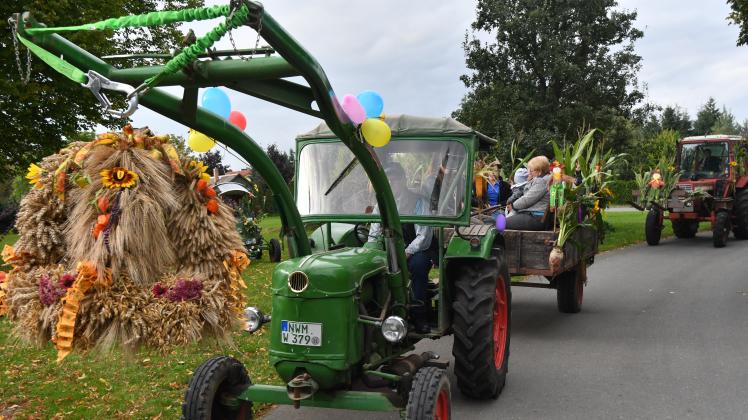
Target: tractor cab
[[704, 163]]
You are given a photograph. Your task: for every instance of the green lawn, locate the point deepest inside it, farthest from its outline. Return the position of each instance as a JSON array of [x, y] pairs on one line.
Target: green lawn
[[150, 384]]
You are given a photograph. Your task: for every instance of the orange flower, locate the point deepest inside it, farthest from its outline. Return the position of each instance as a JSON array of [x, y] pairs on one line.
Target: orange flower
[[212, 206]]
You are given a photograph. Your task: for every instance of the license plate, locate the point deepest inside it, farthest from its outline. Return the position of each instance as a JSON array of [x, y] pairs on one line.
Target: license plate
[[301, 333]]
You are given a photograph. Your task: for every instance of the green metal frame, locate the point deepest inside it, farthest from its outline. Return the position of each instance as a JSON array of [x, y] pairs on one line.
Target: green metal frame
[[348, 400], [260, 77]]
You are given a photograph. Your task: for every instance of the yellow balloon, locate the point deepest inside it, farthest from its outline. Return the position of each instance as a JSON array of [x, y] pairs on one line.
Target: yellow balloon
[[199, 142], [376, 132]]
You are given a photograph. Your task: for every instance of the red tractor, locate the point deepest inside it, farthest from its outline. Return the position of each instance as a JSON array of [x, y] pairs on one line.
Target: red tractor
[[713, 187]]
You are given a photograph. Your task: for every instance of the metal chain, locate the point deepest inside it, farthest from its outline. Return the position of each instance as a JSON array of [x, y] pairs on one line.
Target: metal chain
[[12, 22], [257, 40]]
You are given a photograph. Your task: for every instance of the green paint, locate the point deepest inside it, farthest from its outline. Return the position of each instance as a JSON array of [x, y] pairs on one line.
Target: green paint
[[348, 400], [461, 248]]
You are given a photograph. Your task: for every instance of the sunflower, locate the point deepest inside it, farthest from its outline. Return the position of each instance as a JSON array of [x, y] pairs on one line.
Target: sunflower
[[34, 175], [733, 163], [118, 177]]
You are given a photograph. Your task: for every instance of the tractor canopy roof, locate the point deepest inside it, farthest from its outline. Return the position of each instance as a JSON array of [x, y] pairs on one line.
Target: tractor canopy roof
[[711, 137], [413, 126]]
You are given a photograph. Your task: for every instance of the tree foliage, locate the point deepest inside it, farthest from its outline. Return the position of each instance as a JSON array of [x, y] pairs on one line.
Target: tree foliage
[[739, 16], [551, 69], [214, 160], [706, 118], [37, 117]]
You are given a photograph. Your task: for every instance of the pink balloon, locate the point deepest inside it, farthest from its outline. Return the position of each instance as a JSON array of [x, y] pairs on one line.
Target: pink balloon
[[353, 108], [238, 119]]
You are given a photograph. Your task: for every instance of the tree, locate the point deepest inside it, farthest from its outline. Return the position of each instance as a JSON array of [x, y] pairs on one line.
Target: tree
[[283, 161], [726, 123], [739, 16], [706, 118], [214, 160], [37, 117], [551, 70], [675, 118]]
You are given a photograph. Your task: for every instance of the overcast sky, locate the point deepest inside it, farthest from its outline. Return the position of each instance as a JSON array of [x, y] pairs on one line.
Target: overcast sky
[[411, 53]]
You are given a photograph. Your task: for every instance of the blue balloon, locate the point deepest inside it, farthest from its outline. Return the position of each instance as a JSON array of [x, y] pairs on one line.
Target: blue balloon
[[217, 101], [371, 102]]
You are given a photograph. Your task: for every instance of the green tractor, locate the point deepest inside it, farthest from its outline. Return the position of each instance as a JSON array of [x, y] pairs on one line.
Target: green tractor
[[342, 324]]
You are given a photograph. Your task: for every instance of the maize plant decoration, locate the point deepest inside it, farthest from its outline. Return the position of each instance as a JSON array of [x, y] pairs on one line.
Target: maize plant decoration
[[122, 242], [580, 200], [655, 185]]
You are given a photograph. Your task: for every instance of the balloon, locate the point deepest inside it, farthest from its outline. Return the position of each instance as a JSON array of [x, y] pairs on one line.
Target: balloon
[[238, 119], [372, 103], [353, 109], [217, 101], [376, 132], [199, 142], [500, 222]]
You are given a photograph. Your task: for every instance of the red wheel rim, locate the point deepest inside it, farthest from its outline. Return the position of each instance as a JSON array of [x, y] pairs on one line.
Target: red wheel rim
[[442, 406], [500, 323]]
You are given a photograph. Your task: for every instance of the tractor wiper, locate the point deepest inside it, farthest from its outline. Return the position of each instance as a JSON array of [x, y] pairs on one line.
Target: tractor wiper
[[344, 173]]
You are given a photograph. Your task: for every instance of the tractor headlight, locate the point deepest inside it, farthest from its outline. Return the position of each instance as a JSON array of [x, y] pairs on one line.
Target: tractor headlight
[[254, 319], [394, 329]]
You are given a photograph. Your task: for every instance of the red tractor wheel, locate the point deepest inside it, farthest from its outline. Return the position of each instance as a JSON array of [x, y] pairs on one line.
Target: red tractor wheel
[[741, 214], [721, 229], [430, 396], [653, 226]]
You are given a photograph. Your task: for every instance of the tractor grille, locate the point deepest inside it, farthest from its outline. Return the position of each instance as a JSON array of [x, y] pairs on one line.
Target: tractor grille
[[298, 281], [685, 187]]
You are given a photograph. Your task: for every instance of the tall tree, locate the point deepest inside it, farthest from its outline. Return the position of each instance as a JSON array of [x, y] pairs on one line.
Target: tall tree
[[214, 160], [676, 118], [739, 16], [706, 118], [37, 117], [551, 69], [726, 123]]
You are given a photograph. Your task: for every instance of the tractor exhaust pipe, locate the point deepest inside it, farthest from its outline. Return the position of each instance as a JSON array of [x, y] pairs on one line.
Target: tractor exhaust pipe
[[300, 388]]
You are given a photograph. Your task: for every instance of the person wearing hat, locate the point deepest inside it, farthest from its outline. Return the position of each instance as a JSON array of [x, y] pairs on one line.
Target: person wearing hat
[[518, 186], [528, 211]]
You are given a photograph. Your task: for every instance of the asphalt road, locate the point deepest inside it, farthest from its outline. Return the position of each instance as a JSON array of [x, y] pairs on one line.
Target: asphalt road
[[663, 334]]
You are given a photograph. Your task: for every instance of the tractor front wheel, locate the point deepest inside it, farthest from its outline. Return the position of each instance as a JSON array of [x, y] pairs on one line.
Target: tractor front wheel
[[685, 229], [274, 250], [653, 226], [741, 214], [721, 229], [482, 317], [570, 289], [430, 396], [213, 391]]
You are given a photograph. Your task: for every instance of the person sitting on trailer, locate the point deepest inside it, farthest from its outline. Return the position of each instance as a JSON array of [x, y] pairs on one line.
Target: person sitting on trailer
[[528, 212], [518, 186], [417, 239]]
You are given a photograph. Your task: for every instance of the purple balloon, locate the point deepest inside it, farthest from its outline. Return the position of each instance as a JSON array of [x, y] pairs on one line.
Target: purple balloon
[[500, 222], [353, 109]]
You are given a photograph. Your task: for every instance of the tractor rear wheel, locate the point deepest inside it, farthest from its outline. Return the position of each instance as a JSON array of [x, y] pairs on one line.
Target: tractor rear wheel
[[685, 229], [721, 229], [653, 226], [741, 214], [570, 289], [430, 395], [213, 391], [274, 250], [482, 318]]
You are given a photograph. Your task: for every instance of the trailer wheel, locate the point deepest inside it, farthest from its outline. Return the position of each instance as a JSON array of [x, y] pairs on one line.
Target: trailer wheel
[[741, 214], [721, 229], [430, 395], [213, 391], [482, 326], [653, 226], [685, 229], [274, 250], [570, 289]]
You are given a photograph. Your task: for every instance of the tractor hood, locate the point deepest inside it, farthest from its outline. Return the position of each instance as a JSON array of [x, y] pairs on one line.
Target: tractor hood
[[327, 274]]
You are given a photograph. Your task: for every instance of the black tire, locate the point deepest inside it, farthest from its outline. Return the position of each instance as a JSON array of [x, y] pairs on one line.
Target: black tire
[[570, 289], [482, 308], [721, 229], [741, 214], [685, 229], [430, 395], [217, 380], [653, 226], [274, 250]]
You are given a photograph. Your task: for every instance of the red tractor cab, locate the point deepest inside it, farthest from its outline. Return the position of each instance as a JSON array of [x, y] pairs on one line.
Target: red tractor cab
[[713, 187]]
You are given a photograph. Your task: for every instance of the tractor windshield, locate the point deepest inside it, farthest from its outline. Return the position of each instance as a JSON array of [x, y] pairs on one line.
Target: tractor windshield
[[704, 160], [330, 180]]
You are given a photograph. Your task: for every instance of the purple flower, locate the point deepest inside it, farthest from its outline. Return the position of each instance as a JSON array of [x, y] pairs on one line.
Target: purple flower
[[185, 290], [158, 290], [49, 292]]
